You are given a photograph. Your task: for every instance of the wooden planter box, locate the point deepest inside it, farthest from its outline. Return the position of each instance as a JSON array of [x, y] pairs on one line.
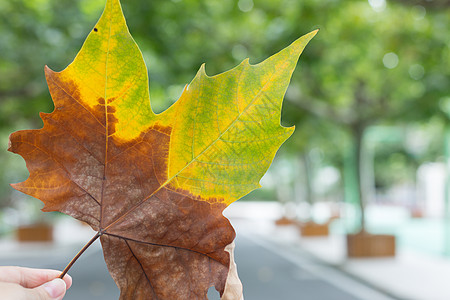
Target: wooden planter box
[[283, 221], [310, 229], [35, 233], [370, 245], [416, 213]]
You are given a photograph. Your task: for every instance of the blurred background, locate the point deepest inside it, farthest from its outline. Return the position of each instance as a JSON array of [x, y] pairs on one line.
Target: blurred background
[[356, 204]]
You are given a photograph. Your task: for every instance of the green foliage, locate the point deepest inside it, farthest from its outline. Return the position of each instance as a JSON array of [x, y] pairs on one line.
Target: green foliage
[[177, 36]]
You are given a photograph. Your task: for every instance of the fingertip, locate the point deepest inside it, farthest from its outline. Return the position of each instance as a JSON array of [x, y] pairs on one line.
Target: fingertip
[[55, 288], [68, 280]]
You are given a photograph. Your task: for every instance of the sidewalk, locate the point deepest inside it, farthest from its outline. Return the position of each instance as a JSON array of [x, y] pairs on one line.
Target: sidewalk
[[410, 275], [267, 272]]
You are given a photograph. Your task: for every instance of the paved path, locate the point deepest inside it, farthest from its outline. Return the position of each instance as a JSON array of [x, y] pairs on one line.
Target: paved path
[[268, 276], [266, 272]]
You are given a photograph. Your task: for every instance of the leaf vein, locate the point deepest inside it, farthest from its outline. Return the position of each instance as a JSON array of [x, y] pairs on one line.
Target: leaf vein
[[161, 245], [142, 268]]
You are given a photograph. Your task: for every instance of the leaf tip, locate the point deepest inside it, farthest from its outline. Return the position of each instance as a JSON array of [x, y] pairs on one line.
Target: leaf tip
[[245, 62], [307, 37], [314, 33], [12, 147], [202, 70], [9, 144], [290, 130], [48, 71], [15, 186]]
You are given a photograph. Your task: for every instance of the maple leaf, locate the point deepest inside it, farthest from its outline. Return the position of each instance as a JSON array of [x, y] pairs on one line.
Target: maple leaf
[[154, 186]]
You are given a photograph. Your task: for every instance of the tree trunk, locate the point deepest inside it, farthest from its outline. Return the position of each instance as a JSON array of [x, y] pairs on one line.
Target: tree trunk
[[353, 171], [309, 193], [358, 134]]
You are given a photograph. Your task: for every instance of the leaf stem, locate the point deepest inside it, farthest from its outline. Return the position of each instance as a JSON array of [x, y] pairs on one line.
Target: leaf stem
[[94, 238]]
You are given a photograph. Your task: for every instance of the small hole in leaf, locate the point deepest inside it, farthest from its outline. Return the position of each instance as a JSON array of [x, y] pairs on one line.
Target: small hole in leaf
[[95, 29], [213, 294]]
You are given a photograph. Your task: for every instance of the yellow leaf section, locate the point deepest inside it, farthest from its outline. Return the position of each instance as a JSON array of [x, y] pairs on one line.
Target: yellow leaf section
[[226, 128], [110, 74]]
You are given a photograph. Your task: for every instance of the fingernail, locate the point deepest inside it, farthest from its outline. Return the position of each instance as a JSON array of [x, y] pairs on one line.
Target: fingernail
[[55, 288]]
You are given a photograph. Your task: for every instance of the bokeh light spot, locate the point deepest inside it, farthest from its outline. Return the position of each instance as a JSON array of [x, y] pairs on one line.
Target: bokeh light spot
[[390, 60], [378, 5], [245, 5], [416, 71]]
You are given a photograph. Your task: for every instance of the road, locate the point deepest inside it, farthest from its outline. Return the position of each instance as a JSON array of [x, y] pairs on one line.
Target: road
[[267, 273]]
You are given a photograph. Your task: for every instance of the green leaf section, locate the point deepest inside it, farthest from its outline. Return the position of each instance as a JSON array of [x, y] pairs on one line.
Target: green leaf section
[[226, 128]]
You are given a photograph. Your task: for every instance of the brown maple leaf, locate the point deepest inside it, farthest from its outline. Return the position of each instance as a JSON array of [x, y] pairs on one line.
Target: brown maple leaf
[[154, 186]]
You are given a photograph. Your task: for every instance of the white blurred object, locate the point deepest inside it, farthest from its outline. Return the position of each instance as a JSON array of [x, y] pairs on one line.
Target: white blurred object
[[321, 212], [254, 210], [431, 188], [304, 211]]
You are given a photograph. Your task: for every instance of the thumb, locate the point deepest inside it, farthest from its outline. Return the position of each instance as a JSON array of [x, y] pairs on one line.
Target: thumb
[[52, 290]]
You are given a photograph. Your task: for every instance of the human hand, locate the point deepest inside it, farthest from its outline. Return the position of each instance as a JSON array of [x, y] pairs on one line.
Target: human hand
[[17, 283]]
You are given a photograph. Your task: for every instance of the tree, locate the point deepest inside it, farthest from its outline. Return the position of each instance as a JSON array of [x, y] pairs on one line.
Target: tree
[[377, 64]]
